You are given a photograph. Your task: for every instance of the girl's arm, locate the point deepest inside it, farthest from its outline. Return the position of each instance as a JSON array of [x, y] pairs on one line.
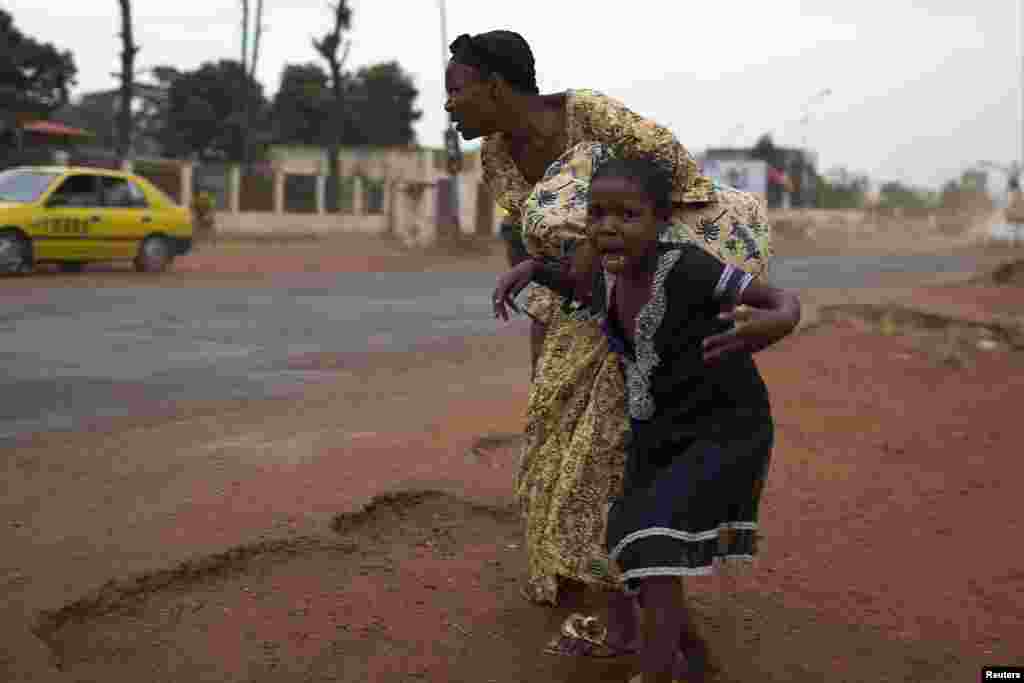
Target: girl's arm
[[764, 316], [515, 280]]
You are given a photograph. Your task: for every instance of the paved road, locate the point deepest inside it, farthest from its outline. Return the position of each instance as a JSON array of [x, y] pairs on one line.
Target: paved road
[[67, 355]]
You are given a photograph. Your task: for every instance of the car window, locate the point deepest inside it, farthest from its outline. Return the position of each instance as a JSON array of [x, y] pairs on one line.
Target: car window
[[24, 186], [122, 193], [77, 191]]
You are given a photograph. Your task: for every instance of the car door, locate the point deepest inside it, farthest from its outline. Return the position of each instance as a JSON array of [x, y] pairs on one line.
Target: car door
[[73, 226], [129, 214]]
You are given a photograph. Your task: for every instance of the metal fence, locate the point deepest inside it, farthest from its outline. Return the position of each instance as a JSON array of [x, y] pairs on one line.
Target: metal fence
[[300, 194], [256, 190], [211, 177]]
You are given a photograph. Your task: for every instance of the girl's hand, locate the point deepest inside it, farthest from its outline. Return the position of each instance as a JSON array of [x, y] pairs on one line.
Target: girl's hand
[[509, 286], [756, 329]]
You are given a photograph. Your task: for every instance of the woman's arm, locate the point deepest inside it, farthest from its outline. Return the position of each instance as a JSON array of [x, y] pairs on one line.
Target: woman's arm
[[764, 316], [515, 280]]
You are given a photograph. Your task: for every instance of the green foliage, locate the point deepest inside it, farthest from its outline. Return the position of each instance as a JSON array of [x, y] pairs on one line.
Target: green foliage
[[302, 106], [377, 107], [205, 115], [383, 103], [896, 195], [204, 207], [95, 112], [842, 190], [34, 77]]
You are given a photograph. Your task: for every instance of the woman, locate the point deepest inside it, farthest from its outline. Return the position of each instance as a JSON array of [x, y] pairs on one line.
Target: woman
[[574, 453]]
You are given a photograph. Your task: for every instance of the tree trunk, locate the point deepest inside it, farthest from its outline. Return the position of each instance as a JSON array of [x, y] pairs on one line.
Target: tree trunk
[[327, 47], [257, 34], [334, 147], [128, 52], [244, 88]]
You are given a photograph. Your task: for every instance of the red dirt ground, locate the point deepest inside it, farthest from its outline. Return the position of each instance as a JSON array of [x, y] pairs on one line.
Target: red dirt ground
[[891, 547]]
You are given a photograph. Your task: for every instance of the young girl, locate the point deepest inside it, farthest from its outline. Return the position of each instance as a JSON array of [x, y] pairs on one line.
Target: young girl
[[685, 325]]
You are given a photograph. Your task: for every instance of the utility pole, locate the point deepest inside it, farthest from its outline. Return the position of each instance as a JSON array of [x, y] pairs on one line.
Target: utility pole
[[1016, 180], [453, 153]]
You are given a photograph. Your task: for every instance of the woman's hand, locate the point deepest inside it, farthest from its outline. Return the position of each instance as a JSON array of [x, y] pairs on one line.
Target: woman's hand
[[756, 329], [509, 286]]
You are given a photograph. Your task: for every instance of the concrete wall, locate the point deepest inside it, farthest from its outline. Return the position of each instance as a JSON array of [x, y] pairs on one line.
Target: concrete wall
[[410, 211]]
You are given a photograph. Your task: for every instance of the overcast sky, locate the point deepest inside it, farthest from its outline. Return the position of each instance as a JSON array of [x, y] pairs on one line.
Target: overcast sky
[[921, 89]]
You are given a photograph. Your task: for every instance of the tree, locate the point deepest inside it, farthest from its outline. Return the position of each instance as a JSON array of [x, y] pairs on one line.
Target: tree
[[34, 77], [96, 112], [378, 108], [205, 114], [303, 105], [383, 108], [766, 151], [327, 47], [841, 189], [128, 51], [896, 195]]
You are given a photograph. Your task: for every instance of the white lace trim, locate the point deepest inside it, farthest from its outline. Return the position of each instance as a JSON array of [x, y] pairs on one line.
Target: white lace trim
[[706, 570], [685, 536], [648, 322]]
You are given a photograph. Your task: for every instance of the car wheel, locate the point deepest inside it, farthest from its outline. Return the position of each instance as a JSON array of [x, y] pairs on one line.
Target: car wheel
[[71, 266], [155, 254], [15, 253]]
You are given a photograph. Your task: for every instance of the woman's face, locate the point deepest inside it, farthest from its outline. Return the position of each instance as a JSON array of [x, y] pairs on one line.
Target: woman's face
[[471, 101], [623, 223]]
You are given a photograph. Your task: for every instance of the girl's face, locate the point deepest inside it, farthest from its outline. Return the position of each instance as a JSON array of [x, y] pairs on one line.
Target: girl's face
[[624, 225]]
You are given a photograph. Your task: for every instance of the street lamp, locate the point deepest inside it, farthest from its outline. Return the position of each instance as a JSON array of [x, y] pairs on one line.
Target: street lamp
[[805, 119]]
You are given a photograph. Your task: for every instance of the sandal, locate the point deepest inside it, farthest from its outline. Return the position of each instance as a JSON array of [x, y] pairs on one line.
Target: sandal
[[585, 637]]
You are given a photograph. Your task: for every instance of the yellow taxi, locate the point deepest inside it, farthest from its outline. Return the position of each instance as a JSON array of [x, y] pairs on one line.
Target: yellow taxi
[[72, 216]]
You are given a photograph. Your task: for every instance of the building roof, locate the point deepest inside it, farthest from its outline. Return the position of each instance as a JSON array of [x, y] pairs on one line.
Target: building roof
[[54, 128]]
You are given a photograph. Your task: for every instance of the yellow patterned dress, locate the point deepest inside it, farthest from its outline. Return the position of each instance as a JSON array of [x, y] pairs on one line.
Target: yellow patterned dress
[[576, 426]]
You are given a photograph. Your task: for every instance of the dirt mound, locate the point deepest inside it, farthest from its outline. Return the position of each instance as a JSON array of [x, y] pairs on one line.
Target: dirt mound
[[417, 586], [1010, 273], [946, 339]]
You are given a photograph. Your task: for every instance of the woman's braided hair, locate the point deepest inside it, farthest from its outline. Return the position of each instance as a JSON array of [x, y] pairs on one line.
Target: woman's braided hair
[[502, 53]]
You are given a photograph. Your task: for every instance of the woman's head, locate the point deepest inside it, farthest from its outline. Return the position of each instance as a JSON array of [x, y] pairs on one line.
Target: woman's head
[[630, 202], [484, 71]]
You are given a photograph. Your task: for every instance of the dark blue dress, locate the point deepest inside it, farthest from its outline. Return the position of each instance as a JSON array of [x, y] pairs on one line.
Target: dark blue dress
[[701, 435]]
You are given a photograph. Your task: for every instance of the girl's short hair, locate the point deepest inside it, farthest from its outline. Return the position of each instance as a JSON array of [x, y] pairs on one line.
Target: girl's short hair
[[652, 177]]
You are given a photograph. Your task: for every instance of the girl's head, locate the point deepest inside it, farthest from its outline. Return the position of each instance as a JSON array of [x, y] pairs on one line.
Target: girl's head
[[484, 71], [630, 202]]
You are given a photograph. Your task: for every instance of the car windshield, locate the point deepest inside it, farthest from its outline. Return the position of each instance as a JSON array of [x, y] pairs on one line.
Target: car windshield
[[24, 186]]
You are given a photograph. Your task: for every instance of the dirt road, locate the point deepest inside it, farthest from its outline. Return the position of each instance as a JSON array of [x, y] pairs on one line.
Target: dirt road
[[223, 539]]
